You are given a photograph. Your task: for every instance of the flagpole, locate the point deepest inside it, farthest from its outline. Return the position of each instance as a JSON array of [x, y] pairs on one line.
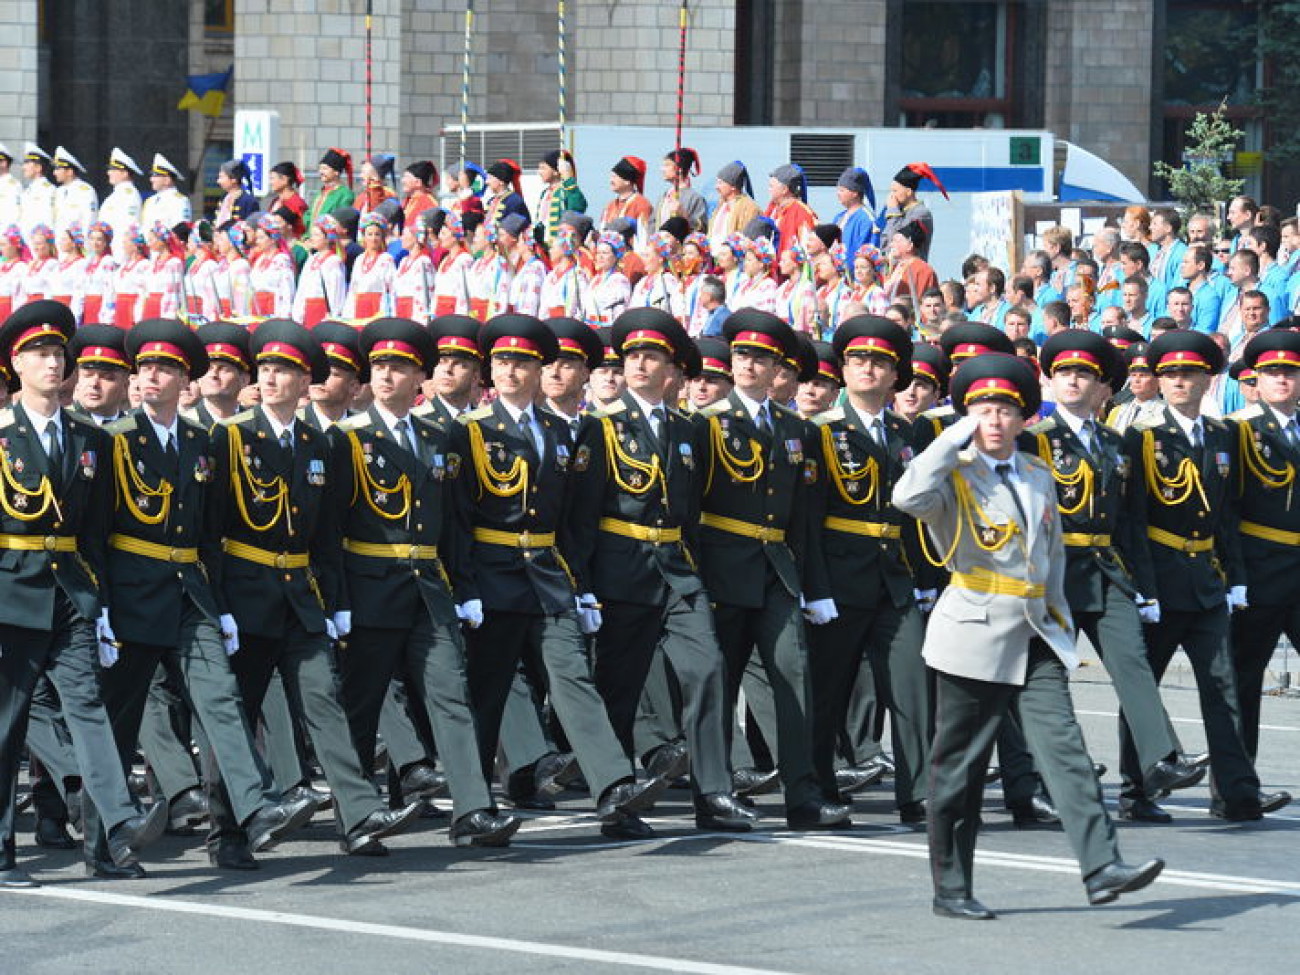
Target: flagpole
[[681, 73], [464, 79], [370, 12], [564, 88]]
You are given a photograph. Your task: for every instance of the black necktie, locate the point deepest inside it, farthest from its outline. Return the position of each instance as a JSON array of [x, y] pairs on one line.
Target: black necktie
[[658, 421], [55, 451], [173, 455], [1198, 443], [286, 442], [1004, 472], [764, 419], [403, 430]]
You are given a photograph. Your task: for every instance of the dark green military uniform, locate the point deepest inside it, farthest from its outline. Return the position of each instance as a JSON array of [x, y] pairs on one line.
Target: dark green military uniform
[[1270, 530], [279, 573], [396, 538], [636, 519], [54, 503], [1102, 504], [1192, 523], [860, 561]]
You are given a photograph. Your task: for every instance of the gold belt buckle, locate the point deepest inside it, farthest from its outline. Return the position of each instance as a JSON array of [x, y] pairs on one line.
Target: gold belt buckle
[[51, 543], [282, 560], [414, 553], [525, 540], [654, 535], [766, 534], [174, 555]]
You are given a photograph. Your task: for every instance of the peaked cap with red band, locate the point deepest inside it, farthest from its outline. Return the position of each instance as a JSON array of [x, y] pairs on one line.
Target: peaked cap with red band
[[167, 340], [342, 345], [284, 340], [99, 345], [399, 339], [997, 376], [872, 334]]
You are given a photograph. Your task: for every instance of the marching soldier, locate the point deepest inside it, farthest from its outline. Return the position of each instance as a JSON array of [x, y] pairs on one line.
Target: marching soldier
[[517, 593], [55, 469], [860, 562], [1108, 564], [277, 581], [714, 381], [393, 471], [330, 400], [1146, 401], [168, 206], [163, 609], [453, 388], [103, 373], [1189, 465], [563, 381], [636, 510], [1001, 629], [1270, 518], [75, 202], [121, 208], [229, 371], [758, 464]]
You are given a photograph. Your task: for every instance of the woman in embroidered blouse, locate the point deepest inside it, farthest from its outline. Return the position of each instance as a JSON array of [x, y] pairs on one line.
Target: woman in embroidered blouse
[[796, 298], [758, 288], [868, 280], [14, 256], [201, 299], [271, 276], [609, 291], [659, 288], [322, 284], [160, 296], [692, 268], [38, 281], [413, 287], [451, 288], [232, 271], [370, 292], [728, 256], [69, 281], [129, 282], [101, 271], [565, 288]]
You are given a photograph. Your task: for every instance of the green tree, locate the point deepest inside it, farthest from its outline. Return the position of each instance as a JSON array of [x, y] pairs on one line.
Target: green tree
[[1279, 46], [1199, 184]]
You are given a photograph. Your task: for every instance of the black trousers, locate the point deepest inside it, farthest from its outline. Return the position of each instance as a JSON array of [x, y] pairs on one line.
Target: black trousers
[[968, 716], [1255, 632], [625, 650]]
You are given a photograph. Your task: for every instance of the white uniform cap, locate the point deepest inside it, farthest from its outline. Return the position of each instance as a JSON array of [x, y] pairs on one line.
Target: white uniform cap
[[64, 158], [161, 167], [118, 159], [34, 153]]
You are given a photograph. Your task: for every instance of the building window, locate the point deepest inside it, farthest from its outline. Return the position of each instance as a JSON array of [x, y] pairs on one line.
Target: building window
[[219, 15], [961, 64]]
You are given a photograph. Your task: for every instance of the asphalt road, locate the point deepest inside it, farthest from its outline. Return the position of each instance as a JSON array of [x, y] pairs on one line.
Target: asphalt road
[[562, 899]]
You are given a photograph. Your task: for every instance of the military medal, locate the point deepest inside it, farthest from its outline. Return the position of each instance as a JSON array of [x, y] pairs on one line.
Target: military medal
[[20, 502], [561, 456], [687, 458], [316, 472], [139, 466], [202, 470], [142, 502], [636, 480], [1223, 463], [381, 462], [581, 460], [368, 449], [88, 464], [438, 467], [381, 498], [794, 448], [18, 465], [989, 534]]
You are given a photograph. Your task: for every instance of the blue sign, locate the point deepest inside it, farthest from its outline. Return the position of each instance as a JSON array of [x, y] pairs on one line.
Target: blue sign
[[256, 163]]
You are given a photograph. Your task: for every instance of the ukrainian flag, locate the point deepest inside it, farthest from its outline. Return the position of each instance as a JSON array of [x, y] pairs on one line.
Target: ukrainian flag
[[206, 93]]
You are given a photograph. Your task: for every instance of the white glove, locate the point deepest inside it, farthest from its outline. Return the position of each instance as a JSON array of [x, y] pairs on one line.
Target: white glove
[[925, 599], [331, 630], [471, 612], [342, 623], [106, 640], [589, 618], [821, 611], [229, 634], [1150, 613], [1237, 598], [962, 431]]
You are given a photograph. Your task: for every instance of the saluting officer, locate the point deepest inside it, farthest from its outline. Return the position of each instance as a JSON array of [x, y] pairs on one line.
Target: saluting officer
[[517, 593], [398, 616], [54, 504], [636, 514], [277, 581], [1189, 465], [1108, 564], [163, 609], [1001, 629], [758, 463], [860, 562], [1270, 518]]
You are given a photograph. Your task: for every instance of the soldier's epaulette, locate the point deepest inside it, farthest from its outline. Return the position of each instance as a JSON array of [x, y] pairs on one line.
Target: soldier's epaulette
[[7, 417], [357, 421], [1033, 460], [244, 417], [424, 409], [82, 421], [945, 410], [482, 413], [124, 425], [1042, 426], [190, 414], [185, 421], [1214, 423], [618, 406], [1148, 420], [714, 409], [780, 409], [1247, 413], [832, 415]]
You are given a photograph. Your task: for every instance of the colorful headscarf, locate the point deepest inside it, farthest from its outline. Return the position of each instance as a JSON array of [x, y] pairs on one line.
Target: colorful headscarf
[[736, 243], [372, 219], [237, 234], [762, 249], [168, 239], [455, 224], [699, 240], [567, 240], [77, 235], [615, 242], [839, 257], [799, 252], [332, 231], [274, 228], [872, 253], [15, 236], [44, 230], [664, 244], [100, 227]]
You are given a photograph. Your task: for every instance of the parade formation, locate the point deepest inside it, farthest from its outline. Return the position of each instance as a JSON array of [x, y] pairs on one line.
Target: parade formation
[[419, 488]]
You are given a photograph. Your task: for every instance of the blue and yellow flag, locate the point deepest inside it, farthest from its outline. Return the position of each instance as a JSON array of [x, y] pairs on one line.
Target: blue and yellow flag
[[206, 93]]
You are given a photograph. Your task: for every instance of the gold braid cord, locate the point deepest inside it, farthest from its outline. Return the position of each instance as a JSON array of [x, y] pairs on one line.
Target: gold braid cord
[[44, 491], [972, 519], [839, 476], [617, 457], [1267, 475], [1185, 480], [1081, 478], [274, 491], [368, 487], [504, 484], [131, 488], [745, 470]]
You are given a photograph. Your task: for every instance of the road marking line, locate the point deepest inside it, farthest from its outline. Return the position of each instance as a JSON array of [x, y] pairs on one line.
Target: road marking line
[[1113, 714], [620, 958]]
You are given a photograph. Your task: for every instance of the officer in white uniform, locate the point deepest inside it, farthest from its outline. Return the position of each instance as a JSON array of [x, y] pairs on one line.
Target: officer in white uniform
[[75, 201], [38, 196], [11, 190], [121, 208], [168, 205]]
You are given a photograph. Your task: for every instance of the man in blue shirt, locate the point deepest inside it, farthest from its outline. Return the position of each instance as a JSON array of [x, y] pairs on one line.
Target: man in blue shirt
[[1207, 300], [713, 299]]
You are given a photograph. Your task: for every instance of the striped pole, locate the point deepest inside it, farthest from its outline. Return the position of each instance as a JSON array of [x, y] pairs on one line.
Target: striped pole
[[563, 84], [464, 79], [681, 73], [370, 65]]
